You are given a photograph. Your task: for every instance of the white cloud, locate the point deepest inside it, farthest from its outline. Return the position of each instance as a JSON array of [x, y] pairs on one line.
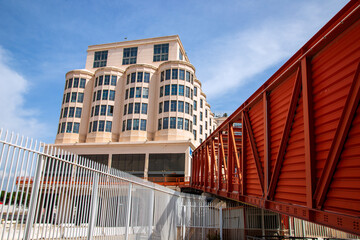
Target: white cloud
[[13, 115], [232, 61]]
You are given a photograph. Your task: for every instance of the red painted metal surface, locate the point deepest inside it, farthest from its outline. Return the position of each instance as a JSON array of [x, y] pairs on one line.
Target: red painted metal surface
[[294, 145]]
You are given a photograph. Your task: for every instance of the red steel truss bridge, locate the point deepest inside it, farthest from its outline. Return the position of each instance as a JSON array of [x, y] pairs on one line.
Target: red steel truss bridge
[[294, 146]]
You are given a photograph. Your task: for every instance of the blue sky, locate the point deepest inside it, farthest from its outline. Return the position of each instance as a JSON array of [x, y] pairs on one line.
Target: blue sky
[[234, 45]]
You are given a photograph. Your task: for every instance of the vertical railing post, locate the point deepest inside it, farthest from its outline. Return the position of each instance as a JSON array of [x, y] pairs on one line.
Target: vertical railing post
[[262, 224], [221, 222], [33, 198], [128, 213], [151, 212], [183, 222], [93, 206]]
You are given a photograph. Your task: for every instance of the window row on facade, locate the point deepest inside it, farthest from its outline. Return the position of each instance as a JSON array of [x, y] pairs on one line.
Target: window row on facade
[[69, 127], [135, 108], [176, 74], [138, 77], [75, 83], [175, 123], [134, 124], [100, 126], [105, 80], [137, 92], [102, 110], [161, 53], [175, 89], [175, 106], [71, 112], [104, 95], [73, 97]]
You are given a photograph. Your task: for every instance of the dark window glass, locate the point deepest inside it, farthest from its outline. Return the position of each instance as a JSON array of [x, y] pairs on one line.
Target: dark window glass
[[167, 74], [98, 95], [100, 59], [181, 90], [180, 106], [187, 92], [161, 78], [127, 79], [187, 124], [96, 81], [125, 109], [65, 112], [173, 106], [78, 112], [94, 96], [69, 127], [180, 123], [133, 76], [67, 97], [166, 106], [201, 103], [129, 56], [187, 76], [132, 92], [161, 91], [127, 94], [195, 91], [90, 126], [165, 123], [123, 126], [71, 111], [103, 110], [113, 80], [76, 127], [144, 107], [107, 80], [130, 109], [137, 108], [145, 92], [101, 126], [76, 82], [139, 77], [132, 163], [168, 162], [97, 108], [143, 125], [195, 105], [82, 82], [128, 124], [110, 111], [174, 74], [173, 89], [146, 77], [173, 122], [108, 126], [100, 80], [92, 111], [181, 74], [70, 83], [138, 92], [167, 90], [160, 107], [161, 52], [159, 123], [105, 94], [112, 95], [195, 120], [62, 127], [187, 108], [73, 97], [80, 97], [136, 124]]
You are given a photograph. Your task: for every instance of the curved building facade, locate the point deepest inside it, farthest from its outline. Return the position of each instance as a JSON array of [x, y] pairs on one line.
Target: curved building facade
[[133, 93]]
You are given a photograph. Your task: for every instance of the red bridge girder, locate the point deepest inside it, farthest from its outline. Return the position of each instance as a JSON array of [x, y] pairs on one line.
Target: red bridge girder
[[294, 146]]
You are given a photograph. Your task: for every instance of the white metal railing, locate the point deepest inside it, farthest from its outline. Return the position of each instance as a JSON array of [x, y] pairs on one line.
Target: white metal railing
[[48, 193]]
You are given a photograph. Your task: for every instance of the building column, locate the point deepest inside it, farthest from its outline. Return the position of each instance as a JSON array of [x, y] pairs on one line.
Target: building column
[[109, 160], [146, 167]]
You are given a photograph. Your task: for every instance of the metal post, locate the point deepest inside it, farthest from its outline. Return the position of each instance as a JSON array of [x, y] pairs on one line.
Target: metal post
[[33, 198], [128, 213], [151, 212], [263, 223], [183, 222], [93, 206], [221, 222]]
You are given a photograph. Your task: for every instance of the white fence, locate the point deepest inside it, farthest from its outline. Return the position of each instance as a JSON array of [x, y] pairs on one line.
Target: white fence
[[47, 193]]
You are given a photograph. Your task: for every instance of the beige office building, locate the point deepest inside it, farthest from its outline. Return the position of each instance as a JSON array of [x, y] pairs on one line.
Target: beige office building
[[137, 106]]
